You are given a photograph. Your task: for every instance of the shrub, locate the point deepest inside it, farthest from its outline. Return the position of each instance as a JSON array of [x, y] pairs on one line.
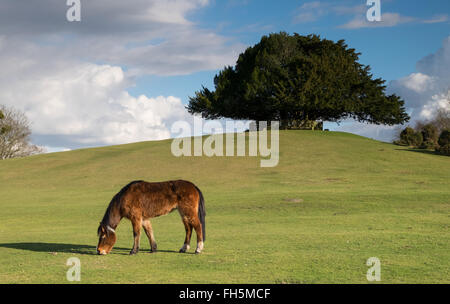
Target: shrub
[[444, 138], [444, 143], [428, 144], [445, 150], [411, 138], [429, 136]]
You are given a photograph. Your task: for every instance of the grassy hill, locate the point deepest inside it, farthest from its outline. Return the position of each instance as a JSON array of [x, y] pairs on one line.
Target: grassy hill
[[334, 200]]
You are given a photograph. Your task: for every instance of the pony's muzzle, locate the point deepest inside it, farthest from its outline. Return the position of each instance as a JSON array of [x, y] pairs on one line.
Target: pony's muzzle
[[101, 252]]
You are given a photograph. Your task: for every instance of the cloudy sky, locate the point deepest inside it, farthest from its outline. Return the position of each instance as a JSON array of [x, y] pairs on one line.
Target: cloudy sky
[[125, 72]]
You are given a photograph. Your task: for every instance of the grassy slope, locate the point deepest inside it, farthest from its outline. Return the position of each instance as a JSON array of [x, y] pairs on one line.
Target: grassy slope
[[360, 198]]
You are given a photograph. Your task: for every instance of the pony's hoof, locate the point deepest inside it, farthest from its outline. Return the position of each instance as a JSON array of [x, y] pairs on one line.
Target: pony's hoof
[[132, 252], [199, 248], [154, 248], [185, 248]]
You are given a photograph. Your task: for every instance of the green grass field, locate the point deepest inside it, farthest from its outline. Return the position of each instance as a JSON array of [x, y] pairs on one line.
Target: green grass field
[[333, 201]]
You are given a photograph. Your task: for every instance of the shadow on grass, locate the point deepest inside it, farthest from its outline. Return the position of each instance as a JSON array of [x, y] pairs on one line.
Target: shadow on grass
[[430, 152], [52, 248]]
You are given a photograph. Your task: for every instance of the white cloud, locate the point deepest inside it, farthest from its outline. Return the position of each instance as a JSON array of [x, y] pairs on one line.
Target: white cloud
[[437, 19], [437, 64], [378, 132], [414, 88], [48, 149], [74, 104], [417, 82], [88, 105], [145, 36], [387, 20], [310, 11], [313, 11], [170, 11], [425, 90], [350, 10], [112, 17], [437, 102], [71, 79]]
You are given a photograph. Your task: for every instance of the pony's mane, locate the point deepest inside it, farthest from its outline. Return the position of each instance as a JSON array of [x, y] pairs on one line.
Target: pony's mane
[[115, 200]]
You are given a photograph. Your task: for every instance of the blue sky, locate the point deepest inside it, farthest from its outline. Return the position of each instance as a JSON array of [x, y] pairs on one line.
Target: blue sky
[[125, 71]]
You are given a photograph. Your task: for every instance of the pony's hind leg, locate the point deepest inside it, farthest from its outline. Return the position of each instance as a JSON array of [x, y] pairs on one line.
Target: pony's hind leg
[[149, 231], [198, 229], [136, 223], [187, 240]]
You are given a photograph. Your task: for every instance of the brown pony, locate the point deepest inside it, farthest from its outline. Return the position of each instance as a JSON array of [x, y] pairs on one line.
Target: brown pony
[[140, 201]]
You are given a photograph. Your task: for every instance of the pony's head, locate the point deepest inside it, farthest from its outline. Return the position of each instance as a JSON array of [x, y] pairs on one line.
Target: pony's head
[[106, 239]]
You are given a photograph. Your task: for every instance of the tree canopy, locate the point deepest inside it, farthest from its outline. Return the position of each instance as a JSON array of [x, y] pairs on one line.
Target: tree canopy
[[293, 78]]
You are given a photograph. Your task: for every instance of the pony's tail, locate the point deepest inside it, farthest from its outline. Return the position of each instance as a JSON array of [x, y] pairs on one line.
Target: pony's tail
[[202, 213]]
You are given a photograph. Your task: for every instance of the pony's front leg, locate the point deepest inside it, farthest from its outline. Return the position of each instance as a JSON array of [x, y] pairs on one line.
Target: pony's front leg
[[136, 234], [149, 231]]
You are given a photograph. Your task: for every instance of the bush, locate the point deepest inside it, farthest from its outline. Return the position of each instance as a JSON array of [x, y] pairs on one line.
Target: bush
[[429, 136], [411, 138], [444, 138], [428, 144], [444, 143], [445, 150]]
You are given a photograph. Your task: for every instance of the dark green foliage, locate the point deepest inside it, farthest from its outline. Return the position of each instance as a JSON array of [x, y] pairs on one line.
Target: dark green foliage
[[445, 150], [3, 128], [409, 137], [444, 143], [304, 125], [428, 144], [444, 138], [430, 137], [295, 78]]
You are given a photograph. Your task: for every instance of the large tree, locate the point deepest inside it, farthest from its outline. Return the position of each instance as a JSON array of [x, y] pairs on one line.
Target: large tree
[[15, 134], [294, 78]]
